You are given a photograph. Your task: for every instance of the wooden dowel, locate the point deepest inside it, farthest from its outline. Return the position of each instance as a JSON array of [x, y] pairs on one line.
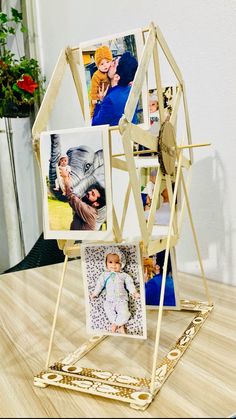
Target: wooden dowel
[[158, 152], [193, 145], [136, 153]]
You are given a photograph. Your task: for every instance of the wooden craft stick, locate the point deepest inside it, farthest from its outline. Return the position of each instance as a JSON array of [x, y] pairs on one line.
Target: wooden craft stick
[[48, 101], [116, 227], [195, 240], [155, 199], [173, 117], [187, 121], [168, 55], [158, 81], [56, 311], [143, 137], [139, 76], [75, 74], [125, 207], [160, 311], [183, 203], [157, 245], [170, 196], [135, 184], [174, 273]]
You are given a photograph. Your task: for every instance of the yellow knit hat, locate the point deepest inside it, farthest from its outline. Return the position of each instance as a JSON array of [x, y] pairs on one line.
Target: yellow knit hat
[[101, 53]]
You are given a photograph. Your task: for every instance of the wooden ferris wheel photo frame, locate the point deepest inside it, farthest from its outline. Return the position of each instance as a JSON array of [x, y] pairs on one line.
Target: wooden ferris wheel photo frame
[[175, 159]]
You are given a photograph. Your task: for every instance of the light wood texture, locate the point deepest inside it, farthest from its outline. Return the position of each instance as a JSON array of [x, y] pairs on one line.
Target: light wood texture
[[174, 113], [140, 75], [72, 58], [202, 384], [56, 311], [158, 81], [141, 136], [187, 122], [168, 245], [168, 54], [125, 207], [195, 238], [128, 149], [156, 196], [47, 104]]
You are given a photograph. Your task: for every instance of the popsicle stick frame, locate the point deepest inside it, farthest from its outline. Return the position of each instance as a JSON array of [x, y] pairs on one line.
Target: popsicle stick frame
[[174, 159]]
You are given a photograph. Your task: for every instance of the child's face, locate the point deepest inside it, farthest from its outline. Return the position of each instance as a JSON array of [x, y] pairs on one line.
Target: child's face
[[104, 65], [113, 263], [153, 179], [113, 67], [153, 106], [64, 161]]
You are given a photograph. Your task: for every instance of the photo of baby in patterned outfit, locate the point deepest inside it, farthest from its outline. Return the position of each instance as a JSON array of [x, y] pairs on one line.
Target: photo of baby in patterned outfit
[[114, 290]]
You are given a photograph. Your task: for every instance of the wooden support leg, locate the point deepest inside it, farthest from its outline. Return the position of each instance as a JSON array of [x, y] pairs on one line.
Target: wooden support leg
[[195, 239], [175, 275], [56, 311], [126, 202], [158, 329], [170, 195], [116, 228]]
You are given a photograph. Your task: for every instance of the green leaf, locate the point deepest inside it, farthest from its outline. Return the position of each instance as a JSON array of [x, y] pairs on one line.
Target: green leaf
[[23, 28], [17, 16], [3, 17], [12, 30]]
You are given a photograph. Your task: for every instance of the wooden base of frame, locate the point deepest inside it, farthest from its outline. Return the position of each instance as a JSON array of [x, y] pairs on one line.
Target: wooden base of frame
[[129, 389]]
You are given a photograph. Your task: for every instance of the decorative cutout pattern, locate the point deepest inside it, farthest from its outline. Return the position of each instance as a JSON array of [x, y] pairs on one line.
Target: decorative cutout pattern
[[133, 390]]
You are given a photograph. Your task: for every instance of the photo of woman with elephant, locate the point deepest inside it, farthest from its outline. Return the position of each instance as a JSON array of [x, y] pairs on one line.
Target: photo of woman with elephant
[[76, 183]]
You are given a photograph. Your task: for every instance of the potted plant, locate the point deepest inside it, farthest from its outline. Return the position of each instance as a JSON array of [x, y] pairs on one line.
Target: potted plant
[[21, 81]]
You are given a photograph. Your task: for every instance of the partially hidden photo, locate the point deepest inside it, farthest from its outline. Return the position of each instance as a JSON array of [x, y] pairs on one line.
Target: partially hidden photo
[[147, 176], [168, 94], [76, 183], [153, 273], [108, 66], [114, 290]]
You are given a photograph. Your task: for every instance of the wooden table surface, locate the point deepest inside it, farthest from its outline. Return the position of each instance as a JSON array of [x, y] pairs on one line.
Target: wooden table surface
[[202, 385]]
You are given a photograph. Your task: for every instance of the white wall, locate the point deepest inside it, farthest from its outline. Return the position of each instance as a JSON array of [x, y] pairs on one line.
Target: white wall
[[201, 35]]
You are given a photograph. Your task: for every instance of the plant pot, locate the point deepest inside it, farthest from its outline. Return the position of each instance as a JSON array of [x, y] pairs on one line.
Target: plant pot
[[11, 110]]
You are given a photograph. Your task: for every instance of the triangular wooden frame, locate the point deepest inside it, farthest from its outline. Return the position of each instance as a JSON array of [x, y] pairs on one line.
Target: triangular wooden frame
[[131, 133]]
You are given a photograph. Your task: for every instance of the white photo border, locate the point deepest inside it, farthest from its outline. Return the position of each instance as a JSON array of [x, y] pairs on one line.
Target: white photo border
[[90, 275], [77, 234], [139, 47]]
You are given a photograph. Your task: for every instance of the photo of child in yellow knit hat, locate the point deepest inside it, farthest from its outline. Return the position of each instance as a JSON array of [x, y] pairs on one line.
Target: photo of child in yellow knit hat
[[100, 79], [99, 59]]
